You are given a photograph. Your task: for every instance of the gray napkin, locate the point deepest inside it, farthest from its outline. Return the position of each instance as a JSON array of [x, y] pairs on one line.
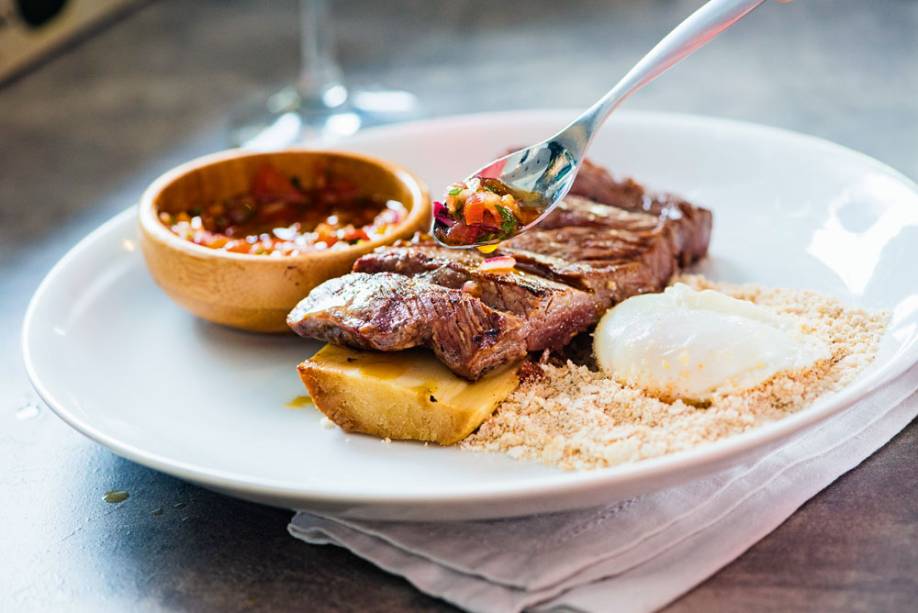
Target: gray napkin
[[628, 557]]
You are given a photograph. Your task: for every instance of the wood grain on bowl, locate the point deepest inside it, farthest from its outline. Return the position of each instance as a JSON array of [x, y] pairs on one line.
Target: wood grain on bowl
[[255, 292]]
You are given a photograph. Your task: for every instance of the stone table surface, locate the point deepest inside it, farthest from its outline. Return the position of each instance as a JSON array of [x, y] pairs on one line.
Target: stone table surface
[[82, 134]]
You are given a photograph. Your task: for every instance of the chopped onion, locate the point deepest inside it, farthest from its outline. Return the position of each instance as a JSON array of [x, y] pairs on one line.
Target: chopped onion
[[441, 214], [499, 264]]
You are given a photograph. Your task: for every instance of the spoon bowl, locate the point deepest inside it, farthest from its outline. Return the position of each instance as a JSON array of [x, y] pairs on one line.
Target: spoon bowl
[[546, 170]]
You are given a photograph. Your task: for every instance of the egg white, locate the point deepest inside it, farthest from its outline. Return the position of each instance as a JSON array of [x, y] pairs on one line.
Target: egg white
[[689, 344]]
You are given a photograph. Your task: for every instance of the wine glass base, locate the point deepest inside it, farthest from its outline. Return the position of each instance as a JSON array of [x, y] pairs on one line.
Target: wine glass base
[[286, 117]]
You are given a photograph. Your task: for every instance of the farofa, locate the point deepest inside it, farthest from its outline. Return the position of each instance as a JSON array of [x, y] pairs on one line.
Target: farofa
[[575, 418]]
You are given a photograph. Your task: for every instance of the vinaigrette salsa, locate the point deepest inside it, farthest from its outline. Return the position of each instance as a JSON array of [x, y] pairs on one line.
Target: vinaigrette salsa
[[479, 210], [279, 217]]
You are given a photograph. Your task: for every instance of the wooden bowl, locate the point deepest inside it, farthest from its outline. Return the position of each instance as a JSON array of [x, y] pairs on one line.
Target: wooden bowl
[[255, 292]]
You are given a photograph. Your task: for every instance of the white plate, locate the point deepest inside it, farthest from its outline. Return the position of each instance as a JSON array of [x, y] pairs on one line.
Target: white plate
[[122, 364]]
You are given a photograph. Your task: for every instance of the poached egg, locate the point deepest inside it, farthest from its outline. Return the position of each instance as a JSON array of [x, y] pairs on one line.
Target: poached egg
[[685, 343]]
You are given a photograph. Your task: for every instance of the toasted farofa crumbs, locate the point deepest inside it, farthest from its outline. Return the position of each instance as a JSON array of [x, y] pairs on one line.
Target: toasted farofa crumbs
[[575, 418]]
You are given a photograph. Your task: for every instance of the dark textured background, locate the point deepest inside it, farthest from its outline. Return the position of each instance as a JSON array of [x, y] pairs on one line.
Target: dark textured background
[[82, 134]]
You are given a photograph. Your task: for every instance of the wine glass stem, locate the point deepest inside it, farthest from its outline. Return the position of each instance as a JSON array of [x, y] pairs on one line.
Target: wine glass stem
[[320, 75]]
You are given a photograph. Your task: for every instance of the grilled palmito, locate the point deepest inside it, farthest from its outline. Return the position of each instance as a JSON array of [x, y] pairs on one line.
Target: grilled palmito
[[585, 257]]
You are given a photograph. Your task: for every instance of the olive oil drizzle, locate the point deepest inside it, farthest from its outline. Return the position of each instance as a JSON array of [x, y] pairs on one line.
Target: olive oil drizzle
[[115, 496], [299, 402]]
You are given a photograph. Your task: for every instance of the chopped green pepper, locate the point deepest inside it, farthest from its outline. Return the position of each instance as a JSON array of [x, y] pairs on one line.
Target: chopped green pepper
[[508, 221]]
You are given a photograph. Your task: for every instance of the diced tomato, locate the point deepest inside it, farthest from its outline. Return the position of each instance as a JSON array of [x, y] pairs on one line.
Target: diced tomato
[[217, 241], [238, 247], [473, 212], [355, 234], [326, 234], [480, 203], [269, 184], [492, 220]]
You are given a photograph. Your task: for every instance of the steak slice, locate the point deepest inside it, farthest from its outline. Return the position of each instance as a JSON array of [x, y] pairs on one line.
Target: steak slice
[[391, 312], [691, 224], [552, 312]]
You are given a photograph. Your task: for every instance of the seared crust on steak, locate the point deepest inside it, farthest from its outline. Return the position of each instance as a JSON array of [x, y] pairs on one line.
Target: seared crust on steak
[[391, 312], [612, 264], [552, 312], [692, 224]]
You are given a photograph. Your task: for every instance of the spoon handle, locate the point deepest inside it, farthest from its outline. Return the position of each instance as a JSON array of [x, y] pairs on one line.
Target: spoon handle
[[692, 34]]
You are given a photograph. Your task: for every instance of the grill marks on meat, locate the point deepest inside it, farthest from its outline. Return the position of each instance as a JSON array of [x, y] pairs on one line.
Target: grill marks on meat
[[605, 250], [691, 225], [612, 265], [391, 312], [607, 242], [552, 312], [577, 211]]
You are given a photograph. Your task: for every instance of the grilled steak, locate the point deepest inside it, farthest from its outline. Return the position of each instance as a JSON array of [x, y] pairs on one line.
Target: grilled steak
[[390, 312], [589, 254]]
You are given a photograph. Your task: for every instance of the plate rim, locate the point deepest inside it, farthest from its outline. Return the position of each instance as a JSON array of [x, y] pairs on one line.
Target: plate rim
[[564, 483]]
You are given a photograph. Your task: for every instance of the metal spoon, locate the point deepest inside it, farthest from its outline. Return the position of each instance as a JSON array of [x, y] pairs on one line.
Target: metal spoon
[[546, 171]]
